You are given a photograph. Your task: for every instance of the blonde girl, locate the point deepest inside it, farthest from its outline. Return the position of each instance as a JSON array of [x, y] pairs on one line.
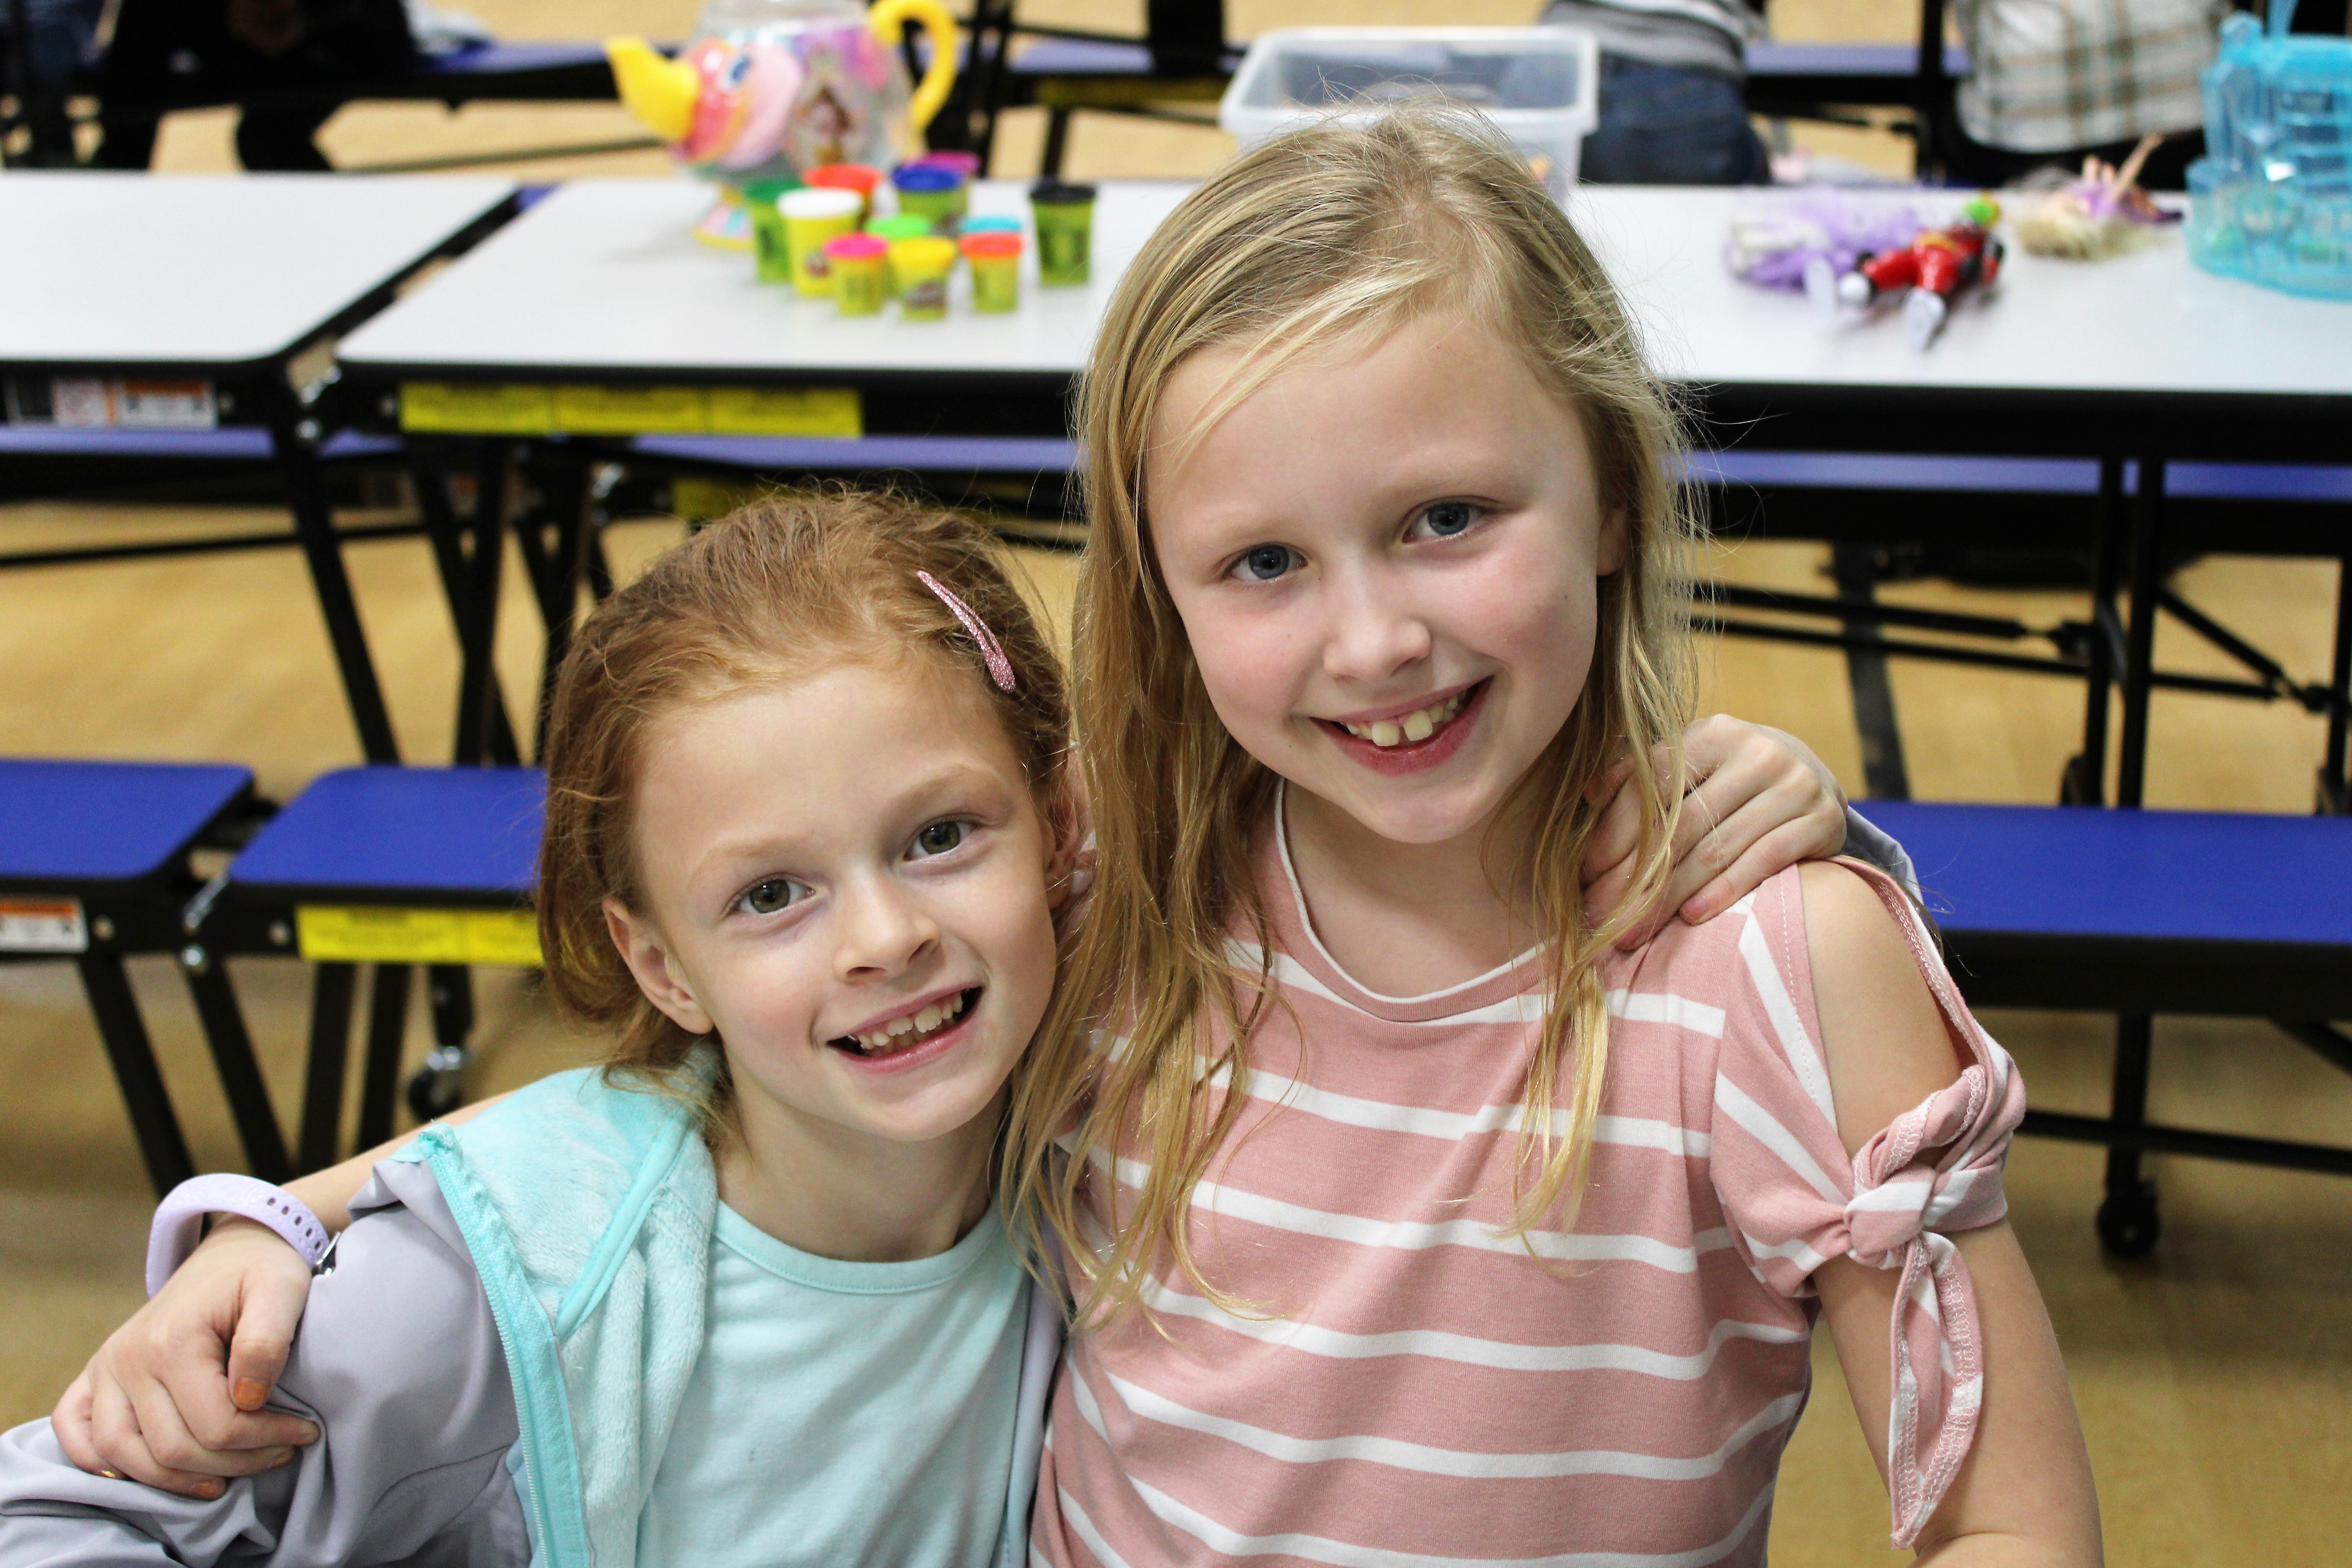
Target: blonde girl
[[1410, 1221]]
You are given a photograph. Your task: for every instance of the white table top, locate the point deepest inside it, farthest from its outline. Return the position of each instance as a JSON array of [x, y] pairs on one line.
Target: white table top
[[2148, 322], [206, 271], [605, 275]]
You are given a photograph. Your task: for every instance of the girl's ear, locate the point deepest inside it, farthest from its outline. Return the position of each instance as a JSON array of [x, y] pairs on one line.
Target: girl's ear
[[643, 949], [1609, 558]]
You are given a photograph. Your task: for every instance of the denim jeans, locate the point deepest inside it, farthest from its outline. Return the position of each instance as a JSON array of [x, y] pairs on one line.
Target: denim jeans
[[1671, 125], [62, 35]]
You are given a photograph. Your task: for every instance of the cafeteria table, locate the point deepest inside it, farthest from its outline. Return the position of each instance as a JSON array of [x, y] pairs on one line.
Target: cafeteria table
[[597, 315], [170, 305]]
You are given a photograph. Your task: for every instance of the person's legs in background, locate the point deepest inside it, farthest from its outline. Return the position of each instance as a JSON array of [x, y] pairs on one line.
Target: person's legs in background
[[62, 37], [1671, 125], [288, 58], [282, 138]]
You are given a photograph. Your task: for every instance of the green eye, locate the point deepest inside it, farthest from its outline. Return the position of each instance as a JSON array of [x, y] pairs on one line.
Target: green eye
[[940, 837], [769, 896]]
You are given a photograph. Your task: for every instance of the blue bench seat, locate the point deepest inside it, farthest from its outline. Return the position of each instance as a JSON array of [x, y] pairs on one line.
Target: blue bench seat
[[2139, 913], [2137, 910], [94, 865], [456, 836], [74, 824], [352, 871]]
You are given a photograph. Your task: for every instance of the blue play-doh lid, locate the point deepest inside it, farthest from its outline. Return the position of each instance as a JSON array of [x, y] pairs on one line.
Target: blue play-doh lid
[[923, 178]]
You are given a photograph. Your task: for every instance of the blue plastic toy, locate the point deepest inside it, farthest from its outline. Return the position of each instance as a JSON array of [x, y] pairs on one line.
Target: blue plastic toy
[[2272, 200]]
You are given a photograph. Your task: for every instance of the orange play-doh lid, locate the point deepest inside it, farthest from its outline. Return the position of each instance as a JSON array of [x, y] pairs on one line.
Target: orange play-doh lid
[[859, 177], [991, 242]]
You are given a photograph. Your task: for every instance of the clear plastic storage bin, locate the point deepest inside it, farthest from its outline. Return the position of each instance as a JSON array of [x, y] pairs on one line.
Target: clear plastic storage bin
[[1540, 86]]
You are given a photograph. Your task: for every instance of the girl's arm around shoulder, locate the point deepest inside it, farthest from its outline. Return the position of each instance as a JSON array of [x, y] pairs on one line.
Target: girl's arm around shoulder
[[398, 1364], [2023, 1494], [175, 1397]]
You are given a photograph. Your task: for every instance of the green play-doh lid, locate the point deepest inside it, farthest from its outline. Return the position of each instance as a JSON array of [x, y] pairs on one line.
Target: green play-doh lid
[[905, 225]]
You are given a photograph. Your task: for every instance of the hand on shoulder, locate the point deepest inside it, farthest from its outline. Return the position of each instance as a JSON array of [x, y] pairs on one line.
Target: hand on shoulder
[[1886, 1041]]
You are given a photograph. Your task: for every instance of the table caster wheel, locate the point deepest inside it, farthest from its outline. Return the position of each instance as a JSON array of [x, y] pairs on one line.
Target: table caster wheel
[[2129, 1224], [439, 1087]]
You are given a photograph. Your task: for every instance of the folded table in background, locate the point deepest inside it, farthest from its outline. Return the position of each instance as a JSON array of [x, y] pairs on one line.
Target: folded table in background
[[174, 306]]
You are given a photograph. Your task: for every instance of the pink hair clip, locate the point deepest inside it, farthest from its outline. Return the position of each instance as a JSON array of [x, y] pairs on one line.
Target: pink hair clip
[[1000, 668]]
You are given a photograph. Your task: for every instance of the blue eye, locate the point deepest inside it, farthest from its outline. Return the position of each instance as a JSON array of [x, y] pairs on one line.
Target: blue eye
[[769, 895], [1264, 563], [1446, 520], [939, 838]]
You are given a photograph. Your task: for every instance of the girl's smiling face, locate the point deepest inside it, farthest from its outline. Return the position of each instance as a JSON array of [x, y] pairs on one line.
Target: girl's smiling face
[[1386, 561], [846, 877]]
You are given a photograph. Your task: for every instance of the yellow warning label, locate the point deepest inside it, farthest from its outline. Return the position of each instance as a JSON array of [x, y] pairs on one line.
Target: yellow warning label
[[631, 411], [705, 500], [787, 411], [476, 408], [513, 408], [372, 933]]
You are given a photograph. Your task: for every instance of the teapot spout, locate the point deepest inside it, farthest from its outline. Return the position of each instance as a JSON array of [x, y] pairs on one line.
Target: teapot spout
[[657, 90]]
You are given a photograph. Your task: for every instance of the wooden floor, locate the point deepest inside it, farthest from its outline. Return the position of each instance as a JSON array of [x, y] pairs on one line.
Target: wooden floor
[[2215, 1378]]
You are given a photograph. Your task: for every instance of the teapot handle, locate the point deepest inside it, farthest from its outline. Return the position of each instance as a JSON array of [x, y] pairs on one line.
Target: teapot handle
[[888, 19]]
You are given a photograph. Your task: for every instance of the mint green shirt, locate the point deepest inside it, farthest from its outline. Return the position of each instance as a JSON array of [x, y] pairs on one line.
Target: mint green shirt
[[844, 1413]]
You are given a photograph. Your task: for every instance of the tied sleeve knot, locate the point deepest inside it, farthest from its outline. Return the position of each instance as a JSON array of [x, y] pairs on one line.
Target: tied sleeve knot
[[1936, 1168]]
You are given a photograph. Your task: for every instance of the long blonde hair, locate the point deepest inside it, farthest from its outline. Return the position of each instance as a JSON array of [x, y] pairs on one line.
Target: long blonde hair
[[1302, 244]]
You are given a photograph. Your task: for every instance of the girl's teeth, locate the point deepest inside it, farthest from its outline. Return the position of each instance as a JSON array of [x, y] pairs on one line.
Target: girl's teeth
[[1418, 725], [922, 1021]]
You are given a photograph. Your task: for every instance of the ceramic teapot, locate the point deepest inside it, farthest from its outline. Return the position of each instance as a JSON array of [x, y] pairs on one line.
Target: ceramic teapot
[[767, 90]]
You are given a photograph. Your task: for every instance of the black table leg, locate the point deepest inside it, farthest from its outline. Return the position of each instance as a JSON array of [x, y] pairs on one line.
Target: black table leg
[[1883, 772], [563, 485], [240, 1072], [2335, 797], [387, 1032], [314, 526], [124, 1032], [2139, 656], [1057, 140], [2128, 1222], [2085, 779], [483, 729], [333, 987]]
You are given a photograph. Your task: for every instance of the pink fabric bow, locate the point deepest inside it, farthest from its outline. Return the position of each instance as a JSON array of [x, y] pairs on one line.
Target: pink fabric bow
[[1901, 1201]]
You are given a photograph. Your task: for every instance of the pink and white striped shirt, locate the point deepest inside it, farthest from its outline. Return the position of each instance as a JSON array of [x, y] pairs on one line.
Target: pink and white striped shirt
[[1412, 1386]]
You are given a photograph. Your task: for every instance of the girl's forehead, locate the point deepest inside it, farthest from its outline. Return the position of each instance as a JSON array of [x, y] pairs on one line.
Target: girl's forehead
[[1442, 392], [1213, 383]]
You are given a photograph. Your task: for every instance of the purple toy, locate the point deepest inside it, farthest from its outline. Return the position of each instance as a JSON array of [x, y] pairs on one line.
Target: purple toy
[[1772, 246]]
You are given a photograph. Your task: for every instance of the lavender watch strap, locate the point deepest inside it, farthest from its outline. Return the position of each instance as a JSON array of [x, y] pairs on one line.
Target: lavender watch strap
[[180, 1216]]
